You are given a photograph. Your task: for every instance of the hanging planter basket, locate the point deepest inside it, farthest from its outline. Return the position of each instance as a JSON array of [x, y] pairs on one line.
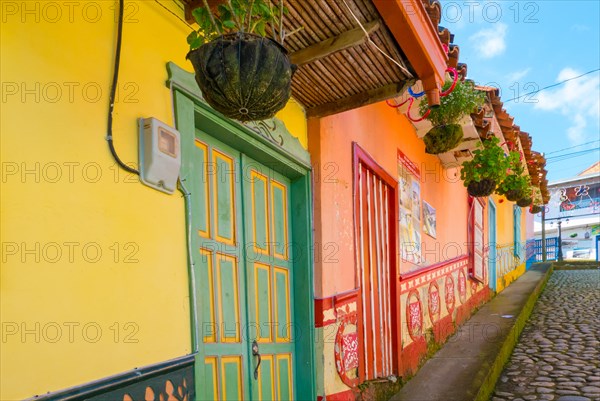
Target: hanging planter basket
[[482, 188], [245, 76], [535, 209], [524, 202], [443, 138], [514, 194]]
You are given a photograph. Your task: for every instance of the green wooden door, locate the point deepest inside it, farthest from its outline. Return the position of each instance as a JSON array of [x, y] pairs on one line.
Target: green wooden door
[[243, 275]]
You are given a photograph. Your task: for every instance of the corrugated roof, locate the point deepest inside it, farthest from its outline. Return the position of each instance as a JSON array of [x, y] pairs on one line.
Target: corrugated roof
[[351, 77]]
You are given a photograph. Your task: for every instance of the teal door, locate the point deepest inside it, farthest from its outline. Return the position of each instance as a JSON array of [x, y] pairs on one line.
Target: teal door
[[492, 256], [244, 275]]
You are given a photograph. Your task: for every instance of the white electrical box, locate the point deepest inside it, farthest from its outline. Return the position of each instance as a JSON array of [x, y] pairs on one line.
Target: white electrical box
[[159, 154]]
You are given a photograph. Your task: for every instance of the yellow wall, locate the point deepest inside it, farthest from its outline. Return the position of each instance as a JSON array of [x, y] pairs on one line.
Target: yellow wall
[[56, 56], [505, 238]]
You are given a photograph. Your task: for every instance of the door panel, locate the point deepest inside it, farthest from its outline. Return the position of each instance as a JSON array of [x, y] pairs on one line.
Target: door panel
[[220, 275], [268, 268]]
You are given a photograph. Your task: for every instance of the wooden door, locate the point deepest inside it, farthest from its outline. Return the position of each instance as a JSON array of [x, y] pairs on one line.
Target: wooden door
[[243, 276], [375, 214]]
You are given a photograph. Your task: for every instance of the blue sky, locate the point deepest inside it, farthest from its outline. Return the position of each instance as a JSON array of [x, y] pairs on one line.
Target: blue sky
[[523, 46]]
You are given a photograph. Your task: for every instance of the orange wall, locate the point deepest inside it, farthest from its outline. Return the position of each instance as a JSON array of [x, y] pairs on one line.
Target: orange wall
[[380, 131]]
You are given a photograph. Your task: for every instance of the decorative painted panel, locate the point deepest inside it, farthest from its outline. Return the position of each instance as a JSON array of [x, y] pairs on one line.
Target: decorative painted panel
[[284, 378], [212, 377], [228, 296], [209, 323], [462, 286], [224, 197], [450, 298], [282, 305], [260, 213], [279, 218], [266, 379], [414, 315], [203, 199], [231, 378], [434, 302], [262, 294]]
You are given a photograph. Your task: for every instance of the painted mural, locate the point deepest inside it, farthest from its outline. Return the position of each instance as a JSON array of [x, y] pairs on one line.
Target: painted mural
[[410, 212]]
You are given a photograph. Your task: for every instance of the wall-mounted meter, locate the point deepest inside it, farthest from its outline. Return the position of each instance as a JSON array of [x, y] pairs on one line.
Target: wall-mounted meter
[[159, 154]]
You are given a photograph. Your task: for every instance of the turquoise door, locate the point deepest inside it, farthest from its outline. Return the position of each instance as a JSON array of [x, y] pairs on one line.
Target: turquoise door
[[244, 273], [250, 234], [492, 245]]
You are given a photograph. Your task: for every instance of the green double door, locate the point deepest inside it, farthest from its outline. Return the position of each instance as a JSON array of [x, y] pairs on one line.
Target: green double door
[[243, 276]]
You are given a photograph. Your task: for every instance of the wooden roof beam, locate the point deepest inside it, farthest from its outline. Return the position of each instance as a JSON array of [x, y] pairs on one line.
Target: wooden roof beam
[[359, 100], [346, 40], [414, 32]]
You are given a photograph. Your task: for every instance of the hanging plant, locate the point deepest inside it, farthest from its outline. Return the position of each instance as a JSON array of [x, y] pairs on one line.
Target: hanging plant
[[447, 133], [535, 209], [241, 72], [515, 186], [481, 174], [527, 199]]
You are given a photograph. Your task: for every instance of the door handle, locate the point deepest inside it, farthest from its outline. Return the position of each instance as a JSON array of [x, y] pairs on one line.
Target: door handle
[[256, 353]]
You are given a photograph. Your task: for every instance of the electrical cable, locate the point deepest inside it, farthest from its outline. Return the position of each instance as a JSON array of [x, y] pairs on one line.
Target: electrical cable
[[568, 156], [571, 147], [175, 15], [552, 86], [113, 89]]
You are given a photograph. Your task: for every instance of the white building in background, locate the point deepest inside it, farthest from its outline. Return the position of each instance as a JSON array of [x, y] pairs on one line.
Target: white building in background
[[575, 203]]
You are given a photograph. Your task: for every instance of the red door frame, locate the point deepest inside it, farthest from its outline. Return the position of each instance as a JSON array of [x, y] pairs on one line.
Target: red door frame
[[471, 238], [361, 156]]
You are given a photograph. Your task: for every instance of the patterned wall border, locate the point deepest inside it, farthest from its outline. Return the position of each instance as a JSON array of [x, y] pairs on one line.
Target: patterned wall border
[[409, 282], [170, 380]]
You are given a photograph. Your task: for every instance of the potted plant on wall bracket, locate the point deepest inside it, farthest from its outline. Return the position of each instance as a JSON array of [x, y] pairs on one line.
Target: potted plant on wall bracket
[[516, 184], [447, 132], [241, 72], [481, 174]]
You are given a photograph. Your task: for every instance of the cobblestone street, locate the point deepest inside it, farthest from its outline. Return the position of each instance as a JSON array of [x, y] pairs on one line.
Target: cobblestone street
[[558, 355]]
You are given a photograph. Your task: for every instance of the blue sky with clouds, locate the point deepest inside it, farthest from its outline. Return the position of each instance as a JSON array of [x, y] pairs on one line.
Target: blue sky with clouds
[[523, 46]]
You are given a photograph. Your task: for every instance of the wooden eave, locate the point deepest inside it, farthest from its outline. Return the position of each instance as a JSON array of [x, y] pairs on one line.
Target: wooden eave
[[534, 161], [338, 69], [414, 24]]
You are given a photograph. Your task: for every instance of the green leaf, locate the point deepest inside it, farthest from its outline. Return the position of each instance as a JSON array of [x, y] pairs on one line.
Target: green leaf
[[192, 37], [229, 24], [260, 28]]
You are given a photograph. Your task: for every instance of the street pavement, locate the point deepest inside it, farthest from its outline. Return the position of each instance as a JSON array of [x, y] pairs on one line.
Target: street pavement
[[558, 355]]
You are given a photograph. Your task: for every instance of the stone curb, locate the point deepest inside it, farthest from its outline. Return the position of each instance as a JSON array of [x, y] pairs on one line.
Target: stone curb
[[489, 382]]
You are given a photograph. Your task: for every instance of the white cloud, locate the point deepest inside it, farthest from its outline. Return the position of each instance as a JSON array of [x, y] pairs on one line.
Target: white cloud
[[580, 28], [490, 42], [517, 75], [578, 100]]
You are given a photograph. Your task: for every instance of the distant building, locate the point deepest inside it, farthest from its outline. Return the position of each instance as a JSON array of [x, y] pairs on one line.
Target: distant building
[[575, 203]]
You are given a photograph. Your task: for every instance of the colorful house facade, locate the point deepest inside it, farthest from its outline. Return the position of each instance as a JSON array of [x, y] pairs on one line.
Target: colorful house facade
[[301, 257]]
